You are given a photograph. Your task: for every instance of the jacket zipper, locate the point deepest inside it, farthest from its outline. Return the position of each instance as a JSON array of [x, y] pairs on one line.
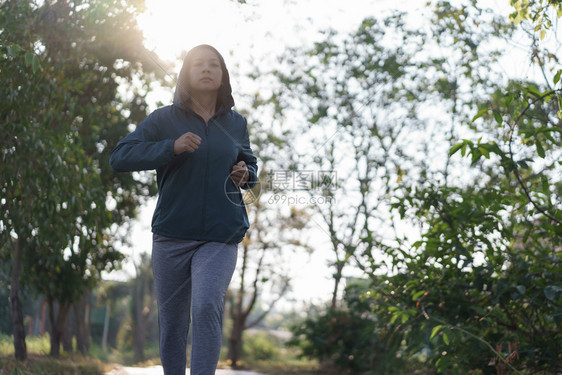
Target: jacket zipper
[[206, 182]]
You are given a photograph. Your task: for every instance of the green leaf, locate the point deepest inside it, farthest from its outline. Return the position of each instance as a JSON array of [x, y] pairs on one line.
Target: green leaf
[[417, 295], [484, 152], [508, 100], [551, 291], [436, 330], [532, 90], [540, 149], [557, 77], [446, 338], [476, 155], [480, 113], [35, 63], [545, 184], [28, 58], [455, 148], [463, 148], [498, 116], [523, 164], [547, 133], [521, 289]]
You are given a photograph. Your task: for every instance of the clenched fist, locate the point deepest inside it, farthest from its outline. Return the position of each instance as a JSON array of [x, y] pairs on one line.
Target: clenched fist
[[187, 142], [240, 174]]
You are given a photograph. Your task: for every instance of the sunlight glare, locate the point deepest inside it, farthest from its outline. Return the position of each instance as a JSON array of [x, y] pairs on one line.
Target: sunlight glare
[[173, 26]]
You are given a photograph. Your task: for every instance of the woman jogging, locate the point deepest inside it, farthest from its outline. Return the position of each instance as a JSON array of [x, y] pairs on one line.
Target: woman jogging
[[201, 152]]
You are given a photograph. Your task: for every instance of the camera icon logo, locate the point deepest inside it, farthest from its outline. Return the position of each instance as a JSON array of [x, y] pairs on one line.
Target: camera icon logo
[[239, 196]]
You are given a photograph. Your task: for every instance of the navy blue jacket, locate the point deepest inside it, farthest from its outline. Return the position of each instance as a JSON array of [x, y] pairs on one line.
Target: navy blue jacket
[[197, 200]]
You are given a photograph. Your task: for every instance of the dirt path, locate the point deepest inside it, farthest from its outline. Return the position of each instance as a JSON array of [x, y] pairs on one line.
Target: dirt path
[[157, 370]]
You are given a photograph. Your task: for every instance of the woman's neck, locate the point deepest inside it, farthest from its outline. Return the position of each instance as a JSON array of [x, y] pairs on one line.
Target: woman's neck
[[204, 105]]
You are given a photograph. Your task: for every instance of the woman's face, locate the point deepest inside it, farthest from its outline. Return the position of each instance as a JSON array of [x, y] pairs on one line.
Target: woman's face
[[205, 72]]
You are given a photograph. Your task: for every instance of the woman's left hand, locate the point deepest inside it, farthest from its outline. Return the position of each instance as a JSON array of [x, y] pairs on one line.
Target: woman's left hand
[[240, 174]]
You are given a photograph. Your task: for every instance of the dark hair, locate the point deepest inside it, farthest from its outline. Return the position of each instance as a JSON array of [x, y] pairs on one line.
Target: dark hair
[[224, 98]]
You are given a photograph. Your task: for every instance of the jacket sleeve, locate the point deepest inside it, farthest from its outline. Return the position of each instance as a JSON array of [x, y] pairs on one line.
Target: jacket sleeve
[[248, 157], [142, 149]]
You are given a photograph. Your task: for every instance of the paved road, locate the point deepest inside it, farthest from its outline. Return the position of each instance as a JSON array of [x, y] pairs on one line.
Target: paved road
[[157, 370]]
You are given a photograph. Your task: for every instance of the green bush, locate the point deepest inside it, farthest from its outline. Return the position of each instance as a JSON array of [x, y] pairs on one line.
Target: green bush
[[353, 339], [261, 346]]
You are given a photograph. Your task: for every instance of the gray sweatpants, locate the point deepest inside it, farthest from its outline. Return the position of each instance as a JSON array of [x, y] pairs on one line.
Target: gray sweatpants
[[191, 276]]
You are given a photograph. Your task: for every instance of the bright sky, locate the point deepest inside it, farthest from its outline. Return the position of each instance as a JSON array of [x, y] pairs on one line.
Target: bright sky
[[255, 28], [257, 31]]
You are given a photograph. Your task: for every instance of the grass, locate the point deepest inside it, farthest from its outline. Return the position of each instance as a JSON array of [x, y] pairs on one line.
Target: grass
[[40, 363], [35, 345], [125, 357], [99, 361], [293, 367], [35, 364]]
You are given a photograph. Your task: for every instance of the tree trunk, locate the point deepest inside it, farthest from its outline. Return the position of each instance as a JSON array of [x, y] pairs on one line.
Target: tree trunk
[[82, 320], [139, 327], [238, 316], [87, 315], [20, 347], [335, 293], [337, 280], [67, 335], [43, 318], [235, 341], [105, 328], [58, 322]]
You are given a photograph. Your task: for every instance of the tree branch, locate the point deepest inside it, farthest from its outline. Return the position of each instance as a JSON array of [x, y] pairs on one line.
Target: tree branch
[[515, 169]]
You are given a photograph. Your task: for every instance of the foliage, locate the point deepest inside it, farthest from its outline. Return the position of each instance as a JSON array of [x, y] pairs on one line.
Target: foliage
[[478, 281], [266, 352], [356, 338], [260, 346], [485, 275], [63, 63], [475, 282], [537, 11]]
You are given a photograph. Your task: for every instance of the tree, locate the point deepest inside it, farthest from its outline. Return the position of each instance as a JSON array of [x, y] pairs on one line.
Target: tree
[[61, 203], [474, 284], [275, 231], [360, 94], [143, 303], [489, 244]]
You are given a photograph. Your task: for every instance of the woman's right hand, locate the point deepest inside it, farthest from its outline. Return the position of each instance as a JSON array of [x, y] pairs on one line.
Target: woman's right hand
[[187, 142]]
